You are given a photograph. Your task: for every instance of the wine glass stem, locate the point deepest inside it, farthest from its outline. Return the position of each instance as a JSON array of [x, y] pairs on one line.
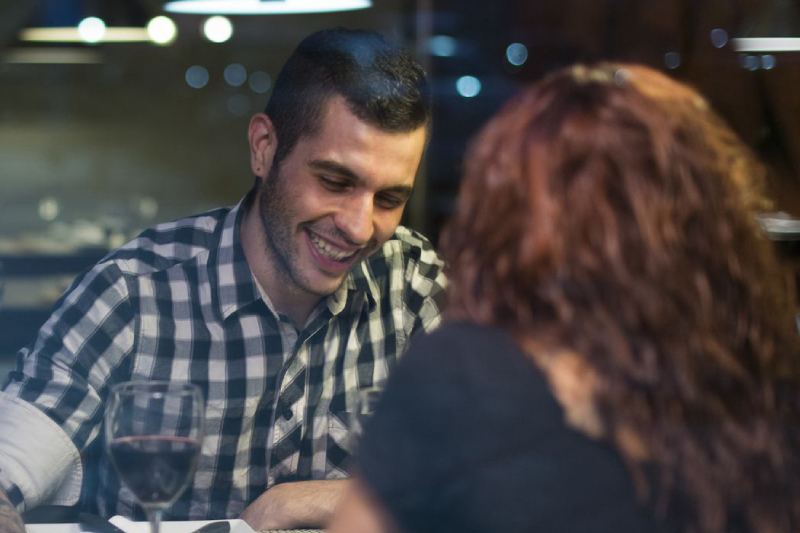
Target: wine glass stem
[[154, 517]]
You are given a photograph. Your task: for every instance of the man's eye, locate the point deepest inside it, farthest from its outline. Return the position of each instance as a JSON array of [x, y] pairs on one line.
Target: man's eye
[[333, 184], [389, 201]]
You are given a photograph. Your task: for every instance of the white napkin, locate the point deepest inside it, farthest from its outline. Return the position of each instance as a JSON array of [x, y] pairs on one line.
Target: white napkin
[[189, 526], [129, 526]]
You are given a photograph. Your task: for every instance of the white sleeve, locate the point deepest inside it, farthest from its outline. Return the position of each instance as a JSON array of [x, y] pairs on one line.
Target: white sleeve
[[37, 456]]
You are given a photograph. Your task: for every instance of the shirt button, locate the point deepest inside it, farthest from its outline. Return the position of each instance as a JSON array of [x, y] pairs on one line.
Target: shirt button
[[287, 413]]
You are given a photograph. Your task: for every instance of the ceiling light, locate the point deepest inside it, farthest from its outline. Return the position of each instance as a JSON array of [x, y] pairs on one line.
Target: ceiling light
[[73, 35], [162, 30], [92, 30], [264, 7], [217, 29]]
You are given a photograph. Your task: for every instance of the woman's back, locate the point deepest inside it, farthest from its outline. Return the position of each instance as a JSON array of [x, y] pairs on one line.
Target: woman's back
[[471, 439]]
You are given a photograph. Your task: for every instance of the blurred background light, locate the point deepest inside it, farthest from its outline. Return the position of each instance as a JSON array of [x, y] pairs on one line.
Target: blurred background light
[[259, 82], [442, 45], [235, 74], [249, 7], [468, 86], [92, 29], [767, 44], [48, 208], [147, 207], [672, 60], [239, 105], [768, 62], [749, 62], [517, 54], [162, 30], [719, 37], [196, 77], [55, 56], [217, 29]]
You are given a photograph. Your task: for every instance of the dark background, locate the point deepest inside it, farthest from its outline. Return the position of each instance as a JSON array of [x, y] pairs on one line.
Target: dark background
[[92, 153]]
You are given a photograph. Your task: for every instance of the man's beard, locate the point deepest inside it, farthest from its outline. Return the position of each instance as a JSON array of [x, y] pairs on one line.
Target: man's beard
[[280, 239]]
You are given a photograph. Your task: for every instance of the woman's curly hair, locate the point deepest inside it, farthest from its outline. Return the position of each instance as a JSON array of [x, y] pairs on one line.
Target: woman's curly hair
[[607, 210]]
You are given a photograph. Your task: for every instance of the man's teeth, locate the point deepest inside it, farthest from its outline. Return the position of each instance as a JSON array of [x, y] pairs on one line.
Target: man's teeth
[[328, 251]]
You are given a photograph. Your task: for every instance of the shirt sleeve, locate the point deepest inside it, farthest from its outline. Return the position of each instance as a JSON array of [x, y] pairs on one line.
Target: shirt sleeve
[[53, 399]]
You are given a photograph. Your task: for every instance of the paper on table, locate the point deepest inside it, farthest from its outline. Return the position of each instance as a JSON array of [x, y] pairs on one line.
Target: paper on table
[[237, 526], [189, 526]]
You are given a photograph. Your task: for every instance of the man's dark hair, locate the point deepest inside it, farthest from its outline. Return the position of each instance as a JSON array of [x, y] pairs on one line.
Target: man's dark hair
[[382, 84]]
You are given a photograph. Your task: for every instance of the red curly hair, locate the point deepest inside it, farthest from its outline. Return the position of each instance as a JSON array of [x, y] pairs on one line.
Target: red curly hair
[[608, 211]]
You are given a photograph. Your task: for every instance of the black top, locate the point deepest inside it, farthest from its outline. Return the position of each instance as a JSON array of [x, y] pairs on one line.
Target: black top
[[468, 437]]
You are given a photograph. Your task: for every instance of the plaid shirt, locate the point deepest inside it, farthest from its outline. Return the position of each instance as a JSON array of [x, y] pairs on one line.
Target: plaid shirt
[[180, 303]]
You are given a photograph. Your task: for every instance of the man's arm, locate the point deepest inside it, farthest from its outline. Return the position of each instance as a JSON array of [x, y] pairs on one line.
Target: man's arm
[[361, 512], [308, 504], [50, 410], [10, 520]]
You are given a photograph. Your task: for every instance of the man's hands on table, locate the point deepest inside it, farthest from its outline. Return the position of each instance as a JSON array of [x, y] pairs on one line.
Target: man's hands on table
[[302, 504]]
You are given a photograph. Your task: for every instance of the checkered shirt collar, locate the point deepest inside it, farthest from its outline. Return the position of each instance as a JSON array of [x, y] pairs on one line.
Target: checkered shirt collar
[[234, 285]]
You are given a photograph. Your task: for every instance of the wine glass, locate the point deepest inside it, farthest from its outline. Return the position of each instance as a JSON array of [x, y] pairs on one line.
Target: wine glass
[[154, 431]]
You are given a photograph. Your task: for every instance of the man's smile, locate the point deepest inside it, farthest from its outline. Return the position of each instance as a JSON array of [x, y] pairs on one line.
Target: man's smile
[[330, 256]]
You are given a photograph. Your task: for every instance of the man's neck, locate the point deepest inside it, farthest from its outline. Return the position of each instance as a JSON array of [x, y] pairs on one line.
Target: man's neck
[[296, 304]]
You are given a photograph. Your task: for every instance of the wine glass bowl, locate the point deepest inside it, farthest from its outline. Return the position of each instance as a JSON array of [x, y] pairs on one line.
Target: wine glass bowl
[[154, 432]]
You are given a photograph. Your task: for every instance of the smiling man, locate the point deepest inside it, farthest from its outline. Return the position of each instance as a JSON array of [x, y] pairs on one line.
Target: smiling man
[[330, 204], [280, 308]]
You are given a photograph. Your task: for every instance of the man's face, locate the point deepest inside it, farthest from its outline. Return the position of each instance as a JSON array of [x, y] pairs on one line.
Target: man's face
[[335, 199]]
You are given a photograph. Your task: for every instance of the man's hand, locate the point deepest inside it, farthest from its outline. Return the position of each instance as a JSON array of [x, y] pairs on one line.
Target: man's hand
[[303, 504], [10, 520]]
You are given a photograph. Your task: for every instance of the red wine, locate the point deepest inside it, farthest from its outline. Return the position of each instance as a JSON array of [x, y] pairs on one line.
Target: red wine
[[156, 468]]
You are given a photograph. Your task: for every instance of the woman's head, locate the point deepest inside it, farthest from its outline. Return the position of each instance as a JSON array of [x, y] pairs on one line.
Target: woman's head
[[609, 211], [611, 172]]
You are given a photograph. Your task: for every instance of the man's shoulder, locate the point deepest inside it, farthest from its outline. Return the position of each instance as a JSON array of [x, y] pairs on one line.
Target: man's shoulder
[[406, 261], [164, 245]]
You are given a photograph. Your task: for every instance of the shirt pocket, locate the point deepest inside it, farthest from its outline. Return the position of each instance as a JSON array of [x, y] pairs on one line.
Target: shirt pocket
[[338, 464]]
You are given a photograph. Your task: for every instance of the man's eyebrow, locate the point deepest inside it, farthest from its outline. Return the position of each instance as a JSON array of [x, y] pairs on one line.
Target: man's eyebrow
[[336, 168], [347, 172]]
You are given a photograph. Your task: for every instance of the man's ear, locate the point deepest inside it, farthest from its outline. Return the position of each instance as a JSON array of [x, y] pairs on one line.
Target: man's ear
[[263, 144]]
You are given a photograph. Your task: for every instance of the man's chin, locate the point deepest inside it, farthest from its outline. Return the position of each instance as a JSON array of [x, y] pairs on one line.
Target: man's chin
[[324, 288]]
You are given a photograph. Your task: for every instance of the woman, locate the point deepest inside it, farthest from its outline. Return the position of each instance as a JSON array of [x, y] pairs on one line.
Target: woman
[[620, 354]]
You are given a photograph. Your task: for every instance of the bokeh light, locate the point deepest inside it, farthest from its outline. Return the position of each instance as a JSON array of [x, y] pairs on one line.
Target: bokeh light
[[672, 60], [239, 105], [92, 30], [217, 29], [443, 45], [197, 77], [49, 208], [259, 82], [517, 54], [719, 37], [235, 74], [162, 30], [468, 86]]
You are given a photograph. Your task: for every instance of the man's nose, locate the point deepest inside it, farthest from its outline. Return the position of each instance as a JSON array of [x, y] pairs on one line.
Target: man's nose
[[356, 220]]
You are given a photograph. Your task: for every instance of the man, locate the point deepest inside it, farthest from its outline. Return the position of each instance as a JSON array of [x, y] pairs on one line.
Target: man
[[280, 308]]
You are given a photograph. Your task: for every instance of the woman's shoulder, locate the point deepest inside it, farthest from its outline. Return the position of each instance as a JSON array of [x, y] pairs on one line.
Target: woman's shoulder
[[466, 347]]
